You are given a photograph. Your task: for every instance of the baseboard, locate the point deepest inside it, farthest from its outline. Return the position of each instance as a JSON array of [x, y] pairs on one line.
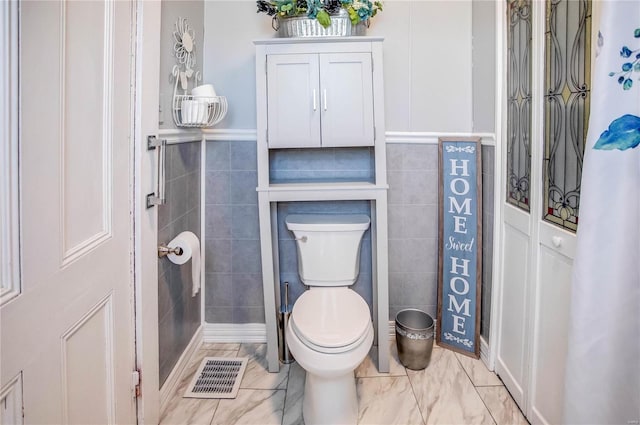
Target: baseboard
[[232, 332], [170, 385], [484, 352]]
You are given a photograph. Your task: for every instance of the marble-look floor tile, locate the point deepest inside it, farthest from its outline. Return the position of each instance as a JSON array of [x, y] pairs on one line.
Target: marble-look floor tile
[[227, 346], [445, 393], [369, 366], [388, 401], [256, 375], [478, 372], [295, 393], [251, 407], [180, 410], [502, 407], [189, 411]]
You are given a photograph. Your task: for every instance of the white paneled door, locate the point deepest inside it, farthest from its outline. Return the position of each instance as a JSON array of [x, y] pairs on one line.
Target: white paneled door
[[69, 335], [547, 91]]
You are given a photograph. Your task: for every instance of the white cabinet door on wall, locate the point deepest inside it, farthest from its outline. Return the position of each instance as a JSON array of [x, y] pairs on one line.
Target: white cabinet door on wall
[[293, 101], [347, 99], [320, 100]]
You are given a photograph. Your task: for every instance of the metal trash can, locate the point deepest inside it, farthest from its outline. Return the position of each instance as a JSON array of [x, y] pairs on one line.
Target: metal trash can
[[414, 338]]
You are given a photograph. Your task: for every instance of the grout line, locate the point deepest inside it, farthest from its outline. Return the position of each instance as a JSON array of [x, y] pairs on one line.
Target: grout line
[[286, 394], [475, 388], [415, 397]]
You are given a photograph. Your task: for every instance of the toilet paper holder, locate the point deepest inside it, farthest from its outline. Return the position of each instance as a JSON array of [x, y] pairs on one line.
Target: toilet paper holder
[[163, 251]]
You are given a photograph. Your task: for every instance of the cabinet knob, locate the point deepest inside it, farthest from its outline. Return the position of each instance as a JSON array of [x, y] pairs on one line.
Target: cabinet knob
[[556, 241]]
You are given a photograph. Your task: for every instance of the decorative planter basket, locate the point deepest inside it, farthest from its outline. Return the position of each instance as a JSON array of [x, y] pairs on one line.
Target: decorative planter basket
[[302, 26]]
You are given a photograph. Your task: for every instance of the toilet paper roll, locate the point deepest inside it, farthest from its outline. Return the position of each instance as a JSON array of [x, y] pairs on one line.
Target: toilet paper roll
[[190, 251]]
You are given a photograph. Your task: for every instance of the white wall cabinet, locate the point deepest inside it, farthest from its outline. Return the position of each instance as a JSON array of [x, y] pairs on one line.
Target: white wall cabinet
[[320, 100], [311, 93]]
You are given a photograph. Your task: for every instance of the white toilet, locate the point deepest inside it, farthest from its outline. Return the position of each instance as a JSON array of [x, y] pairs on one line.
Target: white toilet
[[329, 331]]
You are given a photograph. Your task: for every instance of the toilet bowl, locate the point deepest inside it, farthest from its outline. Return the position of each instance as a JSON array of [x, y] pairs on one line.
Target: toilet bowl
[[329, 332]]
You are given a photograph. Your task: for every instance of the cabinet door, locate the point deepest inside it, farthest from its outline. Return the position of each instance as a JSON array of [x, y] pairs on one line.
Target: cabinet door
[[346, 86], [293, 101]]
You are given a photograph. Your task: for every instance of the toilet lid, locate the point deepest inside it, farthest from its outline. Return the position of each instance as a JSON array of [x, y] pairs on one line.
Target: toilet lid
[[330, 317]]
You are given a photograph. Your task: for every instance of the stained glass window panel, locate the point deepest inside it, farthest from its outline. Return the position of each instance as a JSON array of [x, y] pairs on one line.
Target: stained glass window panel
[[519, 102], [566, 103]]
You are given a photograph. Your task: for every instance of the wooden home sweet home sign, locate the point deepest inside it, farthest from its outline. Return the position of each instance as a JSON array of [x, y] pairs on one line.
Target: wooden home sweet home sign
[[460, 245]]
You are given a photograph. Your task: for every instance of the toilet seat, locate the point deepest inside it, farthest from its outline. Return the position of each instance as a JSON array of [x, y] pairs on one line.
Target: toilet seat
[[331, 320]]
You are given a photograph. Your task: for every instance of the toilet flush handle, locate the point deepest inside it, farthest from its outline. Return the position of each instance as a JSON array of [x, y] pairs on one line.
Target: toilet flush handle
[[302, 239]]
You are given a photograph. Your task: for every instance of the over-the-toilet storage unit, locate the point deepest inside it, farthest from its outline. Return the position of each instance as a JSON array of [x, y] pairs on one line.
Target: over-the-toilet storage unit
[[305, 89], [327, 78]]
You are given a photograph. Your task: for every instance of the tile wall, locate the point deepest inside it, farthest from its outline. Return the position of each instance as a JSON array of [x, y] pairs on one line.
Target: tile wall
[[412, 173], [326, 164], [233, 267], [488, 161], [178, 311], [234, 286]]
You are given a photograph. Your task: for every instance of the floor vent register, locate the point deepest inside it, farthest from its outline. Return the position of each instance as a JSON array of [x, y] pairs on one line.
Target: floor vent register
[[217, 377]]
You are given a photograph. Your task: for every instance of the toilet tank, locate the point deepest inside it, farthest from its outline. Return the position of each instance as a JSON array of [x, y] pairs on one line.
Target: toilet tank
[[328, 247]]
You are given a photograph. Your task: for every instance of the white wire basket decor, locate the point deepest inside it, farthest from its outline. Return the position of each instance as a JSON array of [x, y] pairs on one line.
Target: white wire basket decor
[[198, 111]]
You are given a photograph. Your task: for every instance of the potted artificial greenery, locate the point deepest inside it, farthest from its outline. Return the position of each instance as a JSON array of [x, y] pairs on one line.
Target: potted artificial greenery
[[319, 12]]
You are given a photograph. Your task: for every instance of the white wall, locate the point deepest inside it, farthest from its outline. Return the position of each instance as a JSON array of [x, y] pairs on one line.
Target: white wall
[[428, 61], [484, 65], [193, 11]]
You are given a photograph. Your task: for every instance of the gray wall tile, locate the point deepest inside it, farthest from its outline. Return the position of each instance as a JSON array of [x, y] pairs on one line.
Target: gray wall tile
[[243, 156], [219, 290], [218, 258], [242, 187], [218, 156], [219, 221], [420, 157], [247, 289], [245, 256], [395, 153], [420, 187], [420, 221], [178, 311], [218, 187], [248, 315], [219, 314], [245, 224]]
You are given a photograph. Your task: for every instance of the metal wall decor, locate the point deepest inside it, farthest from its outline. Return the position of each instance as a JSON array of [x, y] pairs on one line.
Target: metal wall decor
[[566, 107], [198, 109], [519, 103]]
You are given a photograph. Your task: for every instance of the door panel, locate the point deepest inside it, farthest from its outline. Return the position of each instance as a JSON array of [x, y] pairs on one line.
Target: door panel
[[76, 170], [85, 86], [347, 99], [512, 350], [89, 346], [294, 114], [551, 324]]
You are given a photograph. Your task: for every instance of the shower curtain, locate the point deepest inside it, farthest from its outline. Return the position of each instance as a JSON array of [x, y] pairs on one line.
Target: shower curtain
[[603, 361]]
